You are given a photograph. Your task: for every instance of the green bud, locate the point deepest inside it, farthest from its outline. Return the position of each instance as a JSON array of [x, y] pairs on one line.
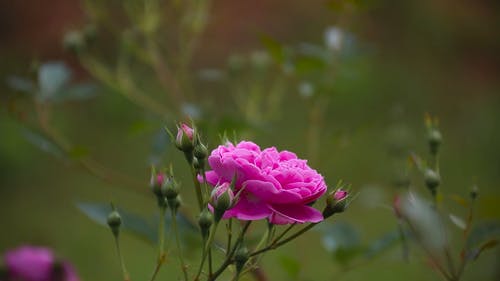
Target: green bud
[[174, 203], [205, 221], [170, 188], [435, 140], [198, 164], [114, 221], [432, 180], [200, 151], [336, 202], [240, 258]]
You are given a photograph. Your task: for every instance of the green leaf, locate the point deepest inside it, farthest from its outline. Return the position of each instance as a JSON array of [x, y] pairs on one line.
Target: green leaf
[[20, 84], [43, 143], [383, 243], [52, 77], [291, 266]]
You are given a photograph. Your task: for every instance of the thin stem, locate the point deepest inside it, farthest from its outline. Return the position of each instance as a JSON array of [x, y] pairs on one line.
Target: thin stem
[[161, 242], [206, 249], [179, 249], [197, 188], [277, 244], [229, 236], [229, 258], [126, 276]]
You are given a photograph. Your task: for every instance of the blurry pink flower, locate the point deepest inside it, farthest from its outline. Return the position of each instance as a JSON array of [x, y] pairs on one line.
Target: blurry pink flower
[[277, 185], [29, 263]]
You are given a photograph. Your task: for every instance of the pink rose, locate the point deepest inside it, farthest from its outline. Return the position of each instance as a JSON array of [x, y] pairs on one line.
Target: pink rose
[[277, 185], [29, 263]]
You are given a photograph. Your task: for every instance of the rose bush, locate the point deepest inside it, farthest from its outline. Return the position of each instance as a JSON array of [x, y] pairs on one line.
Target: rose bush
[[276, 185]]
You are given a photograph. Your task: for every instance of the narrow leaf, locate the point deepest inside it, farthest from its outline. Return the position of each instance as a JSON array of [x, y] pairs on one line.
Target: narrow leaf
[[43, 143]]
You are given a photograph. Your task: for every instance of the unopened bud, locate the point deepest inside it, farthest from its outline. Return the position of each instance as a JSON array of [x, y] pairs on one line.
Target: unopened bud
[[240, 258], [205, 221], [336, 202], [185, 138], [174, 203], [170, 188], [114, 221], [435, 140], [432, 180], [200, 151], [221, 199], [198, 164]]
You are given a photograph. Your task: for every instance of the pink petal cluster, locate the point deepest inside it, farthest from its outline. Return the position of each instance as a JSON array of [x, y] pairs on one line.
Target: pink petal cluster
[[28, 263], [184, 130], [276, 185]]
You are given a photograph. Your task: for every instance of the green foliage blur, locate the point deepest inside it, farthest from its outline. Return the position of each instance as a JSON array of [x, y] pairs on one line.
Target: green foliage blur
[[88, 87]]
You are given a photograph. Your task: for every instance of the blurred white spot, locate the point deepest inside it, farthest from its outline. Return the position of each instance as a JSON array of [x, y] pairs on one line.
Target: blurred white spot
[[306, 89], [333, 38]]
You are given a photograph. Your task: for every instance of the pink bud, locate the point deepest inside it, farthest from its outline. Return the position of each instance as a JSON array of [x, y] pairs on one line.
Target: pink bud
[[185, 138], [220, 191], [184, 130], [340, 194]]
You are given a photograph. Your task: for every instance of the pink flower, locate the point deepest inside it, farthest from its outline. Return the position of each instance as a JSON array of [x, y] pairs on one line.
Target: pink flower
[[277, 185], [29, 263]]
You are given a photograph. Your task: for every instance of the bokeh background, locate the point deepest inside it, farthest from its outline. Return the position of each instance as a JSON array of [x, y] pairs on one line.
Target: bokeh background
[[259, 70]]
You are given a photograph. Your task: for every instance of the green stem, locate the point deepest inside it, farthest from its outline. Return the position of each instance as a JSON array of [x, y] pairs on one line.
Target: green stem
[[229, 258], [161, 242], [179, 249], [197, 188], [229, 236], [126, 276], [277, 244], [206, 249]]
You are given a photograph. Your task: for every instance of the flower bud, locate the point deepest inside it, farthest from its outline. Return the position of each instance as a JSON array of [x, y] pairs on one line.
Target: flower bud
[[240, 258], [198, 164], [174, 203], [185, 138], [336, 202], [205, 220], [114, 221], [170, 188], [432, 180], [200, 151], [156, 182], [435, 140], [221, 199]]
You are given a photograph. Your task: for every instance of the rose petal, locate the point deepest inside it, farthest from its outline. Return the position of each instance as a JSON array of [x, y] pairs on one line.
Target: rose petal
[[269, 193], [295, 213], [248, 208]]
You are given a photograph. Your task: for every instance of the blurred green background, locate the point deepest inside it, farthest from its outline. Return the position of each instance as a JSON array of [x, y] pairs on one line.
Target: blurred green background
[[259, 69]]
